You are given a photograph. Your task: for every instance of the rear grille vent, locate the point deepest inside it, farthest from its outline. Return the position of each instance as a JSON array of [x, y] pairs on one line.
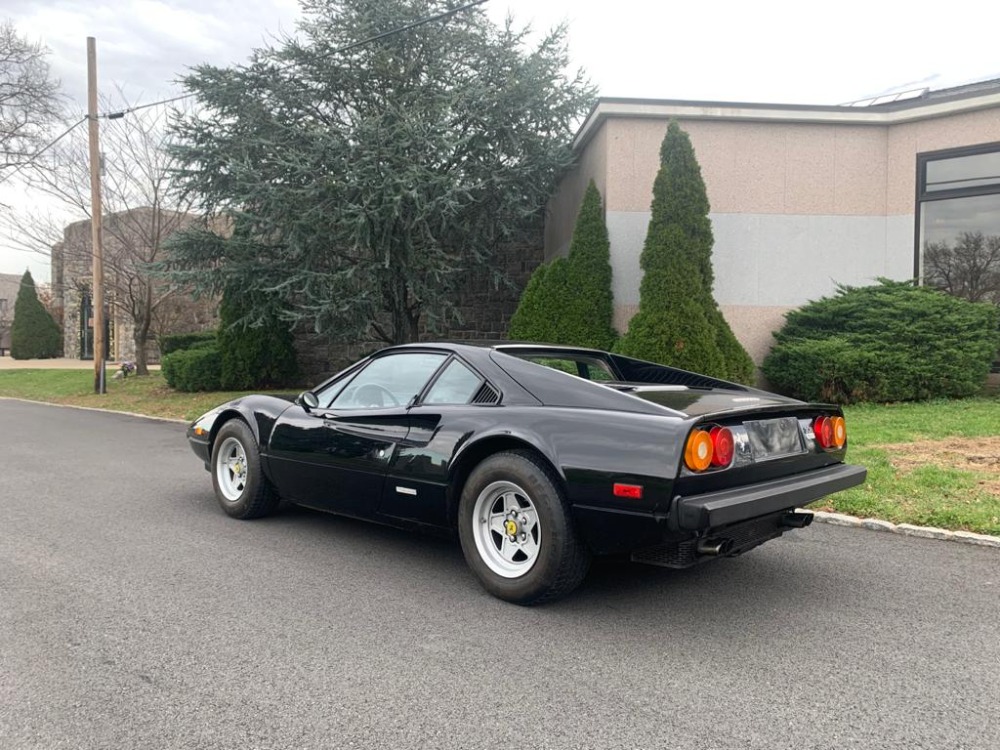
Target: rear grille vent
[[486, 394]]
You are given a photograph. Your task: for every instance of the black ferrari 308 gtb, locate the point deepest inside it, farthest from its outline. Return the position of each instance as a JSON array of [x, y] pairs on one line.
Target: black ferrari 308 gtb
[[539, 456]]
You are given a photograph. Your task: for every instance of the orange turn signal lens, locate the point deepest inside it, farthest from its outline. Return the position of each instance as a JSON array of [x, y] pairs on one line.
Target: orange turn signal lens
[[698, 451], [839, 432]]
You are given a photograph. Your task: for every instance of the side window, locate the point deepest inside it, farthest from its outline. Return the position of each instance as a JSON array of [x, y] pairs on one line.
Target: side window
[[456, 385], [388, 381]]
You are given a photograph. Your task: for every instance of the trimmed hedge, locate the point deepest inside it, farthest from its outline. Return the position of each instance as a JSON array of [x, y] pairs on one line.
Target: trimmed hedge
[[569, 301], [255, 356], [190, 370], [179, 341], [890, 342]]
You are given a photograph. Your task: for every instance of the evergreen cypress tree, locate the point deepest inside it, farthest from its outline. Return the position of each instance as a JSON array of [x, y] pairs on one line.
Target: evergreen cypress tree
[[678, 322], [569, 301], [33, 334]]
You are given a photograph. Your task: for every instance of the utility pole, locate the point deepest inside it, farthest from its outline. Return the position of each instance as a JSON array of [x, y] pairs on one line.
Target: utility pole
[[95, 217]]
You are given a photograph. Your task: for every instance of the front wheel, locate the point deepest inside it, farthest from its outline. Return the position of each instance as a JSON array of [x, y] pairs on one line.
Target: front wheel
[[240, 485], [516, 532]]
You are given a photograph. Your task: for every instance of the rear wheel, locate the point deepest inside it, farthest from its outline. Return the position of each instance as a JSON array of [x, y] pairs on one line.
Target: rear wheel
[[240, 485], [516, 531]]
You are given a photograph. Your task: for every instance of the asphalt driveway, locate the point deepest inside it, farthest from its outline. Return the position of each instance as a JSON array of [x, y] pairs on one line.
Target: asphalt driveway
[[134, 614]]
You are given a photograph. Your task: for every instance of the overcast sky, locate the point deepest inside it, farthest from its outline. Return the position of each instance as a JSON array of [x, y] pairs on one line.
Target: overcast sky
[[767, 51]]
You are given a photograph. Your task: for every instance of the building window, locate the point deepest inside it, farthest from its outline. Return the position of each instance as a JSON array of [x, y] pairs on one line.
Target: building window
[[958, 221]]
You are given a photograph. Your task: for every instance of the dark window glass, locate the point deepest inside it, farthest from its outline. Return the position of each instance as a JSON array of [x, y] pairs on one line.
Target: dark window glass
[[456, 385], [958, 211], [948, 220], [588, 368], [960, 172], [388, 381]]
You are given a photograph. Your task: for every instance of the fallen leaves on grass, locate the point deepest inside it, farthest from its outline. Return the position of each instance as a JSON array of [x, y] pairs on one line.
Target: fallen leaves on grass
[[980, 455]]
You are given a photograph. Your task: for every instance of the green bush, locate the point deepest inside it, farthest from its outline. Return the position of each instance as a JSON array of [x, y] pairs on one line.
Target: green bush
[[889, 342], [191, 370], [33, 334], [258, 353], [178, 341], [569, 301], [678, 322]]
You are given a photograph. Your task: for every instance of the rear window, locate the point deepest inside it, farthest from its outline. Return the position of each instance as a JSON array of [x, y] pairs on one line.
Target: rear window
[[580, 365]]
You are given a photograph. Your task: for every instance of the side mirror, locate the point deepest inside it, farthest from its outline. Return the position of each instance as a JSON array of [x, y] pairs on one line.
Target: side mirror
[[308, 400]]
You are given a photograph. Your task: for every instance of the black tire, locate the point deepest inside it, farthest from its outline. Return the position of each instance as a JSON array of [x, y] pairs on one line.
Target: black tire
[[257, 496], [561, 561]]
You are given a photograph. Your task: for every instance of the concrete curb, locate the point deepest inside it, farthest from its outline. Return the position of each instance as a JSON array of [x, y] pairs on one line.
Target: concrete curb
[[94, 408], [906, 529]]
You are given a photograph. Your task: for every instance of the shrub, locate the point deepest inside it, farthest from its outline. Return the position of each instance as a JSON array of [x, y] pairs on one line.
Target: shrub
[[678, 322], [178, 341], [255, 354], [190, 370], [569, 301], [33, 334], [889, 342]]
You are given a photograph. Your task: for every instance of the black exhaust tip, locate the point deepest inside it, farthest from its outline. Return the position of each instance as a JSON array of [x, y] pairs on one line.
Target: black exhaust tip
[[796, 520], [715, 547]]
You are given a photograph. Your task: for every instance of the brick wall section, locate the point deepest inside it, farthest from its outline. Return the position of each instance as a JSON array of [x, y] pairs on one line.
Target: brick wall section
[[486, 311]]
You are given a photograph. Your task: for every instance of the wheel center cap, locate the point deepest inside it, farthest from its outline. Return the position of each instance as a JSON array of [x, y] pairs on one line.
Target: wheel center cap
[[510, 527], [238, 469]]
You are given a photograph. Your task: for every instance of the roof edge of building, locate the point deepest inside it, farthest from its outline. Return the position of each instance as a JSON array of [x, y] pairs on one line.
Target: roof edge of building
[[938, 104]]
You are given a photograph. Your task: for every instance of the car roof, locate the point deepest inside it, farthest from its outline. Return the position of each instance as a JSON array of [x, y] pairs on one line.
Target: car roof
[[495, 345]]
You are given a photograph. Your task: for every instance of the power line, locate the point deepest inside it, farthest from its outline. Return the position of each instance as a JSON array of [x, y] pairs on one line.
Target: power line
[[348, 48], [34, 157], [116, 115]]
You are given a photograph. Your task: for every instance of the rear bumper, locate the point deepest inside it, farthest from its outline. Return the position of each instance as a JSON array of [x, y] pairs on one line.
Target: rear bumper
[[726, 507], [613, 531]]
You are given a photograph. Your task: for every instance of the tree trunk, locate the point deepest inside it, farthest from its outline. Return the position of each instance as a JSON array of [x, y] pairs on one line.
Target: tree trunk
[[405, 317]]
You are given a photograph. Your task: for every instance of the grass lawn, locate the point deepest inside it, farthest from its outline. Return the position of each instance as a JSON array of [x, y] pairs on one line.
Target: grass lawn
[[145, 395], [934, 464]]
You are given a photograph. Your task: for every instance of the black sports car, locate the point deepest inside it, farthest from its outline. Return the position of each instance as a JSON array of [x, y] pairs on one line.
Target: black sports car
[[539, 456]]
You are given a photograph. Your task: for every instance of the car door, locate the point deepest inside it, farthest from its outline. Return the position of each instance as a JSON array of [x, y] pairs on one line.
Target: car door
[[335, 456], [417, 480]]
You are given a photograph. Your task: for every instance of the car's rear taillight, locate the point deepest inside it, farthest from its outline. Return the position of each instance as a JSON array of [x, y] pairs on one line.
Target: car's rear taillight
[[722, 446], [709, 448], [830, 432]]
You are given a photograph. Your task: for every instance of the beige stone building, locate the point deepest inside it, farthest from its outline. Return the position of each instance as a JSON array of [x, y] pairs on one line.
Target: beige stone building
[[131, 240], [803, 197], [9, 287]]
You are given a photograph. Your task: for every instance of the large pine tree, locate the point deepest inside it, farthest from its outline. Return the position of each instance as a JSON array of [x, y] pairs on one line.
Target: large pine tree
[[679, 322], [33, 334], [569, 301]]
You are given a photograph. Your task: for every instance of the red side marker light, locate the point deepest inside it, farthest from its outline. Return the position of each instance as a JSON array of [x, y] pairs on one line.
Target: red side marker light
[[631, 491]]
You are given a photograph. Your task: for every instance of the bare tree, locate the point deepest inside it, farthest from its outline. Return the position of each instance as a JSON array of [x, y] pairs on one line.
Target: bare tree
[[968, 268], [140, 214], [29, 98]]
